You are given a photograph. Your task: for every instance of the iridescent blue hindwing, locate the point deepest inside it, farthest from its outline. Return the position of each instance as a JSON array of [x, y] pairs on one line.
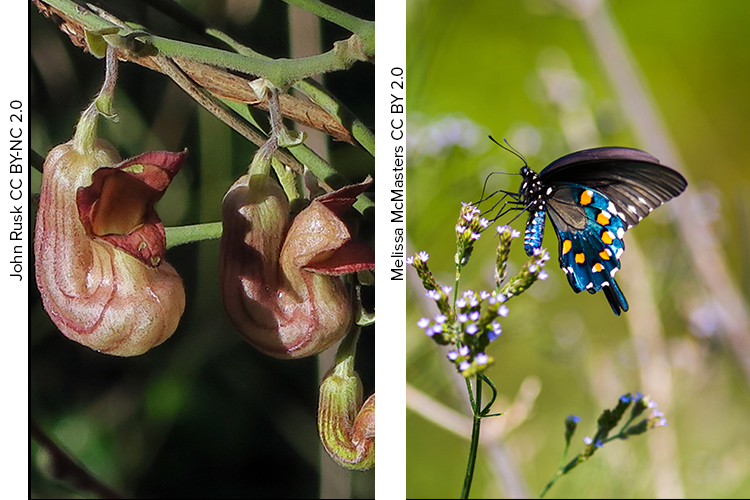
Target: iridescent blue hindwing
[[590, 232]]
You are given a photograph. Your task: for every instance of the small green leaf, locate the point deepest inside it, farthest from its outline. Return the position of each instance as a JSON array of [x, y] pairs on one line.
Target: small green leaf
[[96, 43]]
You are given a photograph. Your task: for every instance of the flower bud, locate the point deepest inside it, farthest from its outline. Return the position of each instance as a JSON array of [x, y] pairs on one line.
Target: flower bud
[[281, 282], [345, 425], [98, 245]]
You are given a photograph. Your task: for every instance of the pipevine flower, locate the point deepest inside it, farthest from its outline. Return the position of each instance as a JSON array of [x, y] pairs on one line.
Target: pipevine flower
[[346, 426], [281, 281], [99, 244]]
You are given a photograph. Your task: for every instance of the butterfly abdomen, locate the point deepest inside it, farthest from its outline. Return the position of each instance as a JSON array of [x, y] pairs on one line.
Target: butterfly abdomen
[[532, 238]]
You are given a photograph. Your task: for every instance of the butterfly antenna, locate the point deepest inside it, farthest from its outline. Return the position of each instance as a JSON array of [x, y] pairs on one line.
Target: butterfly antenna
[[510, 149]]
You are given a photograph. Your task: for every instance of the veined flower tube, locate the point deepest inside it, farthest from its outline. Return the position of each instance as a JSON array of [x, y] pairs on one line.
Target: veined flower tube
[[346, 426], [281, 283], [99, 244]]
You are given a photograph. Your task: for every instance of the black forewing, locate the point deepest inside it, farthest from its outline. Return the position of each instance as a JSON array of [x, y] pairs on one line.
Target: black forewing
[[632, 179]]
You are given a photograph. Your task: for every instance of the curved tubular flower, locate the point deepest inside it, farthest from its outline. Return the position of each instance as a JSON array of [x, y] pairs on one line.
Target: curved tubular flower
[[346, 426], [281, 287], [99, 246]]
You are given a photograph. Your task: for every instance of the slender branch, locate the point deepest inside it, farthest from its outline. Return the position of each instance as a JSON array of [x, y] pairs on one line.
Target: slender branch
[[309, 87], [219, 82], [474, 448], [65, 468], [282, 72], [364, 29]]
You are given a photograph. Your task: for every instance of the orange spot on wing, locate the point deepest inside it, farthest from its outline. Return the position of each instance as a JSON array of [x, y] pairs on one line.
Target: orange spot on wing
[[604, 255], [607, 237], [602, 219], [566, 246], [597, 267], [586, 197], [580, 258]]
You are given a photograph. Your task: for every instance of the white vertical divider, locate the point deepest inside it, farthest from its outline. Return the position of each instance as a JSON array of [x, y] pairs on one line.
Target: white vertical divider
[[15, 238], [390, 290]]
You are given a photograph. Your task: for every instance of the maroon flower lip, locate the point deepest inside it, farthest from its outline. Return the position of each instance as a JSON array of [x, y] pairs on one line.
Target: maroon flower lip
[[118, 206]]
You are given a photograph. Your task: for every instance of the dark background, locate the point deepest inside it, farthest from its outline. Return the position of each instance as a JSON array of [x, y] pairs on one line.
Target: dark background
[[204, 415]]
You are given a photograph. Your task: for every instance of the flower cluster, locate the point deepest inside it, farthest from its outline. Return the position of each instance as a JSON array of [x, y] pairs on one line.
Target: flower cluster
[[468, 230], [609, 419], [474, 319], [530, 272]]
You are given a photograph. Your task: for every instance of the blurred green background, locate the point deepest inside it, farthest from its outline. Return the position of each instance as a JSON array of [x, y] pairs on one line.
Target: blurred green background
[[204, 415], [539, 74]]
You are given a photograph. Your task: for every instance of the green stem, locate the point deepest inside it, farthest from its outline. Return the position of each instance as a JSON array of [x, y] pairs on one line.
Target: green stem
[[473, 450], [180, 235], [207, 54], [281, 72], [365, 29], [559, 472], [348, 346]]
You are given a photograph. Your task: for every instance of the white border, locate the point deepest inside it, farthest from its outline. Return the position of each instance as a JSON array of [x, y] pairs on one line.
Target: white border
[[390, 296], [14, 366]]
